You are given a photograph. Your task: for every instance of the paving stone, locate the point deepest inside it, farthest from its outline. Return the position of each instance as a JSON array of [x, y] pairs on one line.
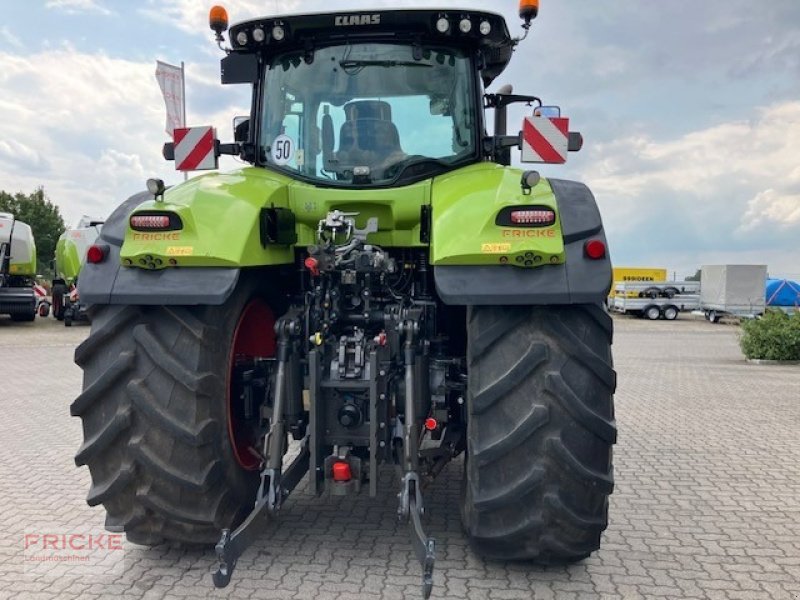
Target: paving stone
[[707, 501]]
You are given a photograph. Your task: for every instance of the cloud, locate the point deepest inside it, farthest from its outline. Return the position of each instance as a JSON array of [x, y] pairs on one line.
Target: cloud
[[732, 187], [772, 207], [78, 6], [22, 156], [724, 165], [191, 16], [10, 38], [89, 127], [77, 106]]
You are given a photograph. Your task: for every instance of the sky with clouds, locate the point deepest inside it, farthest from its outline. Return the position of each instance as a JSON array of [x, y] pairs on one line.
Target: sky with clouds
[[690, 110]]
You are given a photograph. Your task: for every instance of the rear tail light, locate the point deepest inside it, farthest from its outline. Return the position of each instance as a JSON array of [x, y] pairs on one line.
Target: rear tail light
[[150, 222], [526, 216], [431, 424], [156, 222], [341, 471], [312, 264], [96, 253], [595, 249], [533, 217]]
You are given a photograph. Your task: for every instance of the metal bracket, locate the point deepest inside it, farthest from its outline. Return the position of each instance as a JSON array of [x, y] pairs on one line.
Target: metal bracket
[[338, 222], [276, 484], [411, 510], [231, 545]]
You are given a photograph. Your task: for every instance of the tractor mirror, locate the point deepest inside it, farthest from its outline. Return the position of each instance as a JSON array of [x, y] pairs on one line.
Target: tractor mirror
[[241, 129], [547, 111]]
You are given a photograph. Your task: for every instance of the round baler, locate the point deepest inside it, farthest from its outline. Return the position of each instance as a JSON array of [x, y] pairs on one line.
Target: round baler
[[17, 269], [70, 256]]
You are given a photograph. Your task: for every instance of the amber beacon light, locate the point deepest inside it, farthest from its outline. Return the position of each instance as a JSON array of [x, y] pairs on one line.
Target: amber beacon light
[[528, 9], [218, 19]]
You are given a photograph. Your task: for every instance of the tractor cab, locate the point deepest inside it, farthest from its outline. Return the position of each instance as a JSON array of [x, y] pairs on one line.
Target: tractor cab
[[384, 98], [371, 99]]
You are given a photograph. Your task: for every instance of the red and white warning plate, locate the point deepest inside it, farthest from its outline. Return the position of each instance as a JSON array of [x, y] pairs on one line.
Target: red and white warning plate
[[194, 149], [545, 139]]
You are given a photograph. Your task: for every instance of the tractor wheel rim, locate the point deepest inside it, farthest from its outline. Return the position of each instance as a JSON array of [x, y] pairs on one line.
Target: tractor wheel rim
[[253, 336]]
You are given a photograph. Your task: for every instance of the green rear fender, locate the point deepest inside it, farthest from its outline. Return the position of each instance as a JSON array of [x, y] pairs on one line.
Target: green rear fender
[[465, 206], [221, 215]]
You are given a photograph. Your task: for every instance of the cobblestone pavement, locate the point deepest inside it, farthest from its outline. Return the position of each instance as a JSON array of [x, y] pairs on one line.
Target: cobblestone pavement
[[707, 503]]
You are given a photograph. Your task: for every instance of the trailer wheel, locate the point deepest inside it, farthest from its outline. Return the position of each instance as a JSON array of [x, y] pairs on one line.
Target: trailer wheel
[[540, 430], [59, 291], [671, 313], [161, 441], [652, 312], [712, 316]]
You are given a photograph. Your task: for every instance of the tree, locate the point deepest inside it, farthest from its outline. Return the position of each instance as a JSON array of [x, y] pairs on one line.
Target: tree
[[44, 218], [695, 277]]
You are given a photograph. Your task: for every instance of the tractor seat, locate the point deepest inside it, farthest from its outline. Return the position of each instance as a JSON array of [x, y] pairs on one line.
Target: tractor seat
[[373, 143]]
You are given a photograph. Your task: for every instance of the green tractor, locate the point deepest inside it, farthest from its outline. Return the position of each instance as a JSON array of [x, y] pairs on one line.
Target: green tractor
[[71, 254], [379, 286]]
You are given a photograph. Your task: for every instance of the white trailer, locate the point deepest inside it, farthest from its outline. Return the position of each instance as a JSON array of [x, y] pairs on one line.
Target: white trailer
[[656, 300], [735, 290]]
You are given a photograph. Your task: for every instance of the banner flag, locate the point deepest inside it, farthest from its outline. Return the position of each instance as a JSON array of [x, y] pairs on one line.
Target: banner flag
[[170, 80]]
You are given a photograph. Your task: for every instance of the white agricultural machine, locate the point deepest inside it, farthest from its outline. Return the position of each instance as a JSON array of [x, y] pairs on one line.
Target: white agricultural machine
[[17, 269]]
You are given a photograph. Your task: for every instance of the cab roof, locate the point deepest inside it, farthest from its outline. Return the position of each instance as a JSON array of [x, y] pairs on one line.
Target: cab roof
[[486, 34]]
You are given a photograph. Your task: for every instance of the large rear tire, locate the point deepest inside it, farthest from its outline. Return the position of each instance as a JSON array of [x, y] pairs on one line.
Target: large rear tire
[[540, 430], [156, 416]]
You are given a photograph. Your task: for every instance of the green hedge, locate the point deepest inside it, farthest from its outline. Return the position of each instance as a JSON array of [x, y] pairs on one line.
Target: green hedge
[[775, 336]]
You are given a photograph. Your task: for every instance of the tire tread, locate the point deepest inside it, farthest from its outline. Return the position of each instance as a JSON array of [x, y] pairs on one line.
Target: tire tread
[[155, 439], [538, 470]]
